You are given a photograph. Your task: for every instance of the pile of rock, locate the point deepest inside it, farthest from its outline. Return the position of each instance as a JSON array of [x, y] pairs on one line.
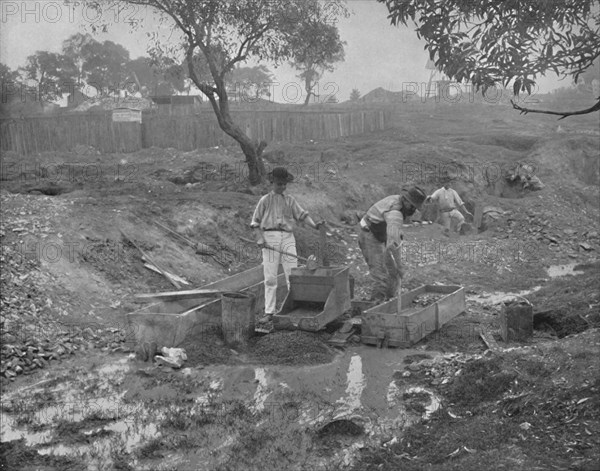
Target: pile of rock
[[441, 370], [426, 299], [31, 333], [22, 354]]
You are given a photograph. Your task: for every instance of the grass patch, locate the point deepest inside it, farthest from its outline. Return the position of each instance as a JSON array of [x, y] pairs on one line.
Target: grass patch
[[480, 381]]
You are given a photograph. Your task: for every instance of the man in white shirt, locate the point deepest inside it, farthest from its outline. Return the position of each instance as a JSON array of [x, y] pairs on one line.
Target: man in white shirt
[[273, 221], [448, 200]]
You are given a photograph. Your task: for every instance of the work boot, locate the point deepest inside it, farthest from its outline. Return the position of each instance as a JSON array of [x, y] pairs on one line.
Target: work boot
[[265, 327], [266, 319]]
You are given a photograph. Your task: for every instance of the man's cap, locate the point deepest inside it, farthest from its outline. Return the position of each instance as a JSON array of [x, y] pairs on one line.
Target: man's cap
[[280, 173], [416, 196]]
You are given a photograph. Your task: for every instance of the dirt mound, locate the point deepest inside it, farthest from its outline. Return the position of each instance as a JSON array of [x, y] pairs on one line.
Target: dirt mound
[[574, 159], [210, 349], [513, 142], [568, 304], [291, 348], [279, 348]]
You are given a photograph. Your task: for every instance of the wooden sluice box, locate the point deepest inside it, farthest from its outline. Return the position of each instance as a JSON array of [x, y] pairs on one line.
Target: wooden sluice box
[[315, 298], [382, 325], [169, 318]]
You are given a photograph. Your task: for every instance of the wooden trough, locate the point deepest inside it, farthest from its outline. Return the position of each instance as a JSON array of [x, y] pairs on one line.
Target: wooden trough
[[173, 317], [382, 325], [316, 297]]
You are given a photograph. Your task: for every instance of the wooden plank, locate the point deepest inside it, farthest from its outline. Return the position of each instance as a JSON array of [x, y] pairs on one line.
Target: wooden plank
[[179, 295], [241, 280], [341, 336], [178, 279], [489, 340], [173, 282]]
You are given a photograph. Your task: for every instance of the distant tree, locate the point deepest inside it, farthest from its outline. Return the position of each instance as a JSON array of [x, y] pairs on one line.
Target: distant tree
[[105, 68], [490, 42], [251, 82], [227, 33], [80, 48], [316, 48], [354, 95], [10, 87], [7, 75], [53, 73], [151, 79]]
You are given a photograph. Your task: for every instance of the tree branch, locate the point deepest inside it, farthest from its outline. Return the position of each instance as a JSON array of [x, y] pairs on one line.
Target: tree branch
[[245, 46], [562, 114]]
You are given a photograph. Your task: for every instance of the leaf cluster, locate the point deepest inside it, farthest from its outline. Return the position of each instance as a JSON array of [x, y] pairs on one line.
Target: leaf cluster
[[489, 42]]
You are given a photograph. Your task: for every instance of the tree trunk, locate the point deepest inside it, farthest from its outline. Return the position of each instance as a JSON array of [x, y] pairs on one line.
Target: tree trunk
[[308, 88], [252, 149]]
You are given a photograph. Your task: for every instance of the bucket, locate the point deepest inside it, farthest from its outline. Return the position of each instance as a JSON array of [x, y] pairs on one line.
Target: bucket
[[237, 317], [516, 321]]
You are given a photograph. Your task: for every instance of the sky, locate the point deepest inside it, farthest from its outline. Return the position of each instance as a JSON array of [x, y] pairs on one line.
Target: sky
[[377, 54]]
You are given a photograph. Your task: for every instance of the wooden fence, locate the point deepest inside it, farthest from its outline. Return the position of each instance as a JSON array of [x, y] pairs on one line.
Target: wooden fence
[[64, 132]]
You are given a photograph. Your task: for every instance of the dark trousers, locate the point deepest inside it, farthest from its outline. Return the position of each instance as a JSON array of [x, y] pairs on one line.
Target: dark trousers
[[383, 275]]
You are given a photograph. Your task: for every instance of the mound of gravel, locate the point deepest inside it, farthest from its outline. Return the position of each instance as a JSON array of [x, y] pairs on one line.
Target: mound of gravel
[[291, 348]]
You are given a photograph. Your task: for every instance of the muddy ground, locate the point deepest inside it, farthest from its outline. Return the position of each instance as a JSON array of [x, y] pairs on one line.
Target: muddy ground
[[74, 396]]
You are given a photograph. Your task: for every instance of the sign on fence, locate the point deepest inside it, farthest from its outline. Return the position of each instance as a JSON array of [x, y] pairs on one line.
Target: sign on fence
[[126, 115]]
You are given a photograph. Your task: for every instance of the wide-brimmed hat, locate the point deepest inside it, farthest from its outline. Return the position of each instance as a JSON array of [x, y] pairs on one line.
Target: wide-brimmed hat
[[281, 174], [416, 196]]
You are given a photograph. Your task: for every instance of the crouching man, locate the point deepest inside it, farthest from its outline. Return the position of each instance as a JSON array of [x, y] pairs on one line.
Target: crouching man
[[448, 201]]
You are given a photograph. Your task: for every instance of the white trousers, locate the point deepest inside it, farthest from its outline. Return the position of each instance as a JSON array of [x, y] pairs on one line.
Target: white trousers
[[452, 219], [285, 242]]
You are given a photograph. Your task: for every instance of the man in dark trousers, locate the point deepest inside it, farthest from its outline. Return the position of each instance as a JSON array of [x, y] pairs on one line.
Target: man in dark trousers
[[380, 238]]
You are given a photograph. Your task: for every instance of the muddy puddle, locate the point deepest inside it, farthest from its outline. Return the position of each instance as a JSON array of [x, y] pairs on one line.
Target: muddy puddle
[[91, 418]]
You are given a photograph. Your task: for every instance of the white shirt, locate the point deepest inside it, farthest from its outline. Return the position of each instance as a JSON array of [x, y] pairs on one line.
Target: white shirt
[[275, 211], [447, 199]]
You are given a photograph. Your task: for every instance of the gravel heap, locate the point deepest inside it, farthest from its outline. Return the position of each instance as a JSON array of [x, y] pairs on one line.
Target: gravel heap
[[291, 348]]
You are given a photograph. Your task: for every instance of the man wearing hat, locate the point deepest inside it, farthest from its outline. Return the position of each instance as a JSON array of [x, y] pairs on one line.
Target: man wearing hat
[[448, 200], [273, 221], [380, 238]]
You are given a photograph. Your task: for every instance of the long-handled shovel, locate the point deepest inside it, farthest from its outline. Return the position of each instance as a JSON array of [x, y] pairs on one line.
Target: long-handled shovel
[[311, 262], [394, 255]]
